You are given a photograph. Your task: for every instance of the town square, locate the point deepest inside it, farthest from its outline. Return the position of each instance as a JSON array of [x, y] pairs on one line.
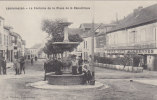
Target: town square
[[78, 50]]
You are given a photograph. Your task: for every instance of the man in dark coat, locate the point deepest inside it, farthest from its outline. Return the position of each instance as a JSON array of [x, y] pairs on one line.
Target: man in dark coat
[[0, 65], [36, 58], [22, 67], [31, 61], [80, 63], [3, 64], [58, 66]]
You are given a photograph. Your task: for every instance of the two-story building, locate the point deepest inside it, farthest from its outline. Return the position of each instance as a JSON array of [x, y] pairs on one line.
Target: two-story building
[[85, 47], [136, 33], [6, 48], [10, 42], [101, 38]]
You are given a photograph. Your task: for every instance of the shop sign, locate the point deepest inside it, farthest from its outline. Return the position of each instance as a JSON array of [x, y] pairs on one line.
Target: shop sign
[[146, 51]]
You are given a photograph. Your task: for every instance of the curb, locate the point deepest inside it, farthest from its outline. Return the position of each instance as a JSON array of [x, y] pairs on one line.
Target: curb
[[44, 85]]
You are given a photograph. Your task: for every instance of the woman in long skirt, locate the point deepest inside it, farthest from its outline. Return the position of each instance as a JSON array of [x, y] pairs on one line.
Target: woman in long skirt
[[17, 66]]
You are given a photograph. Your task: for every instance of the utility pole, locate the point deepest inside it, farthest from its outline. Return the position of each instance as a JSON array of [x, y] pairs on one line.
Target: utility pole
[[92, 49], [92, 53]]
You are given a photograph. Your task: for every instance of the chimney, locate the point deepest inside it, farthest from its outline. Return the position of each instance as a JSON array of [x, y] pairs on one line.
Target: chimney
[[137, 10]]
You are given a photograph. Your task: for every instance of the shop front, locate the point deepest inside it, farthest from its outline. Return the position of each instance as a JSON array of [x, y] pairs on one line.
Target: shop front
[[148, 57]]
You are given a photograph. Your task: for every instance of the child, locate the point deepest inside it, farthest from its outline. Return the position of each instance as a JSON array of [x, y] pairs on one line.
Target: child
[[87, 73]]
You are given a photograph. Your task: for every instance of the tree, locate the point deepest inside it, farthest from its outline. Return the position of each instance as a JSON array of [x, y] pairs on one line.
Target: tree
[[126, 60], [55, 31], [132, 59]]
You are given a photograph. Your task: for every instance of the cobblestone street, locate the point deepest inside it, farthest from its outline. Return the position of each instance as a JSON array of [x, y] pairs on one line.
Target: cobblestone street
[[15, 87]]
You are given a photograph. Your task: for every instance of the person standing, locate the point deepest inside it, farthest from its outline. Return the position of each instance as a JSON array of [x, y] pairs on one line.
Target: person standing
[[74, 66], [15, 66], [80, 63], [46, 64], [59, 66], [22, 66], [36, 58], [4, 66], [18, 67], [0, 65], [31, 61]]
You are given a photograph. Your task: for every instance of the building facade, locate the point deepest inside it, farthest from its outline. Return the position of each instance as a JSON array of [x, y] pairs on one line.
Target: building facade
[[10, 42], [31, 53], [137, 33]]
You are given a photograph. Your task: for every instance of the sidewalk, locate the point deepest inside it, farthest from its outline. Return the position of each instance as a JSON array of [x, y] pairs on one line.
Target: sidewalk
[[147, 81], [102, 73]]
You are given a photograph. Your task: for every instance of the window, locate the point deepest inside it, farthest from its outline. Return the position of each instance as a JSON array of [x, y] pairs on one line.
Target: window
[[4, 40], [86, 44], [132, 37], [143, 35], [138, 37], [7, 40]]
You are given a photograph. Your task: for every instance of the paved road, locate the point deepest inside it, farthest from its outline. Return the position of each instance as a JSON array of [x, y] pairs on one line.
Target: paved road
[[13, 87]]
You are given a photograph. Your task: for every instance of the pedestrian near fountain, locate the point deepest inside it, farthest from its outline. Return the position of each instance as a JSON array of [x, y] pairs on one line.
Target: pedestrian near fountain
[[74, 66], [87, 73], [59, 66], [80, 63]]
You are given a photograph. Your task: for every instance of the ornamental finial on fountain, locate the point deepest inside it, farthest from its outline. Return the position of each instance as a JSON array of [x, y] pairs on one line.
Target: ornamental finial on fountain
[[66, 34]]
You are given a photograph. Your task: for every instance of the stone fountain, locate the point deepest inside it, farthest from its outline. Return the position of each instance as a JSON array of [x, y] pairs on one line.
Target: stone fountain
[[66, 78]]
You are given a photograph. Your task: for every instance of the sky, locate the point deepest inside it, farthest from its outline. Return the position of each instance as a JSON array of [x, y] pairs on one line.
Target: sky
[[27, 22]]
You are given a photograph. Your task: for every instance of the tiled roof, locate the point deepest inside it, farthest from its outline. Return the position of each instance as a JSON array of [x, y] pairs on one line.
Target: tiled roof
[[138, 17], [73, 31], [97, 26], [89, 25], [106, 25], [86, 34]]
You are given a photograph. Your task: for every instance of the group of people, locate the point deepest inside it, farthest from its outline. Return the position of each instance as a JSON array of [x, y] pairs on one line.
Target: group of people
[[3, 69], [32, 60], [19, 65], [79, 66]]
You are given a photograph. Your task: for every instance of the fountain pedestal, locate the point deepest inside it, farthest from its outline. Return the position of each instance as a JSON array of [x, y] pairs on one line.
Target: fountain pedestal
[[65, 79]]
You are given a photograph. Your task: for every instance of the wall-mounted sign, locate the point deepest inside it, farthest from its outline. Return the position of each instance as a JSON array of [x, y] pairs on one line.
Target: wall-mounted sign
[[140, 51]]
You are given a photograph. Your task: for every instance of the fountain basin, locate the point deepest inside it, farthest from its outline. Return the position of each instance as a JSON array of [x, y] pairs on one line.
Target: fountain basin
[[65, 79]]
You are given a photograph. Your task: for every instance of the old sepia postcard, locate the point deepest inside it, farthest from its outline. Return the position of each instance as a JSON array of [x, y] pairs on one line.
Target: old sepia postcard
[[78, 50]]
